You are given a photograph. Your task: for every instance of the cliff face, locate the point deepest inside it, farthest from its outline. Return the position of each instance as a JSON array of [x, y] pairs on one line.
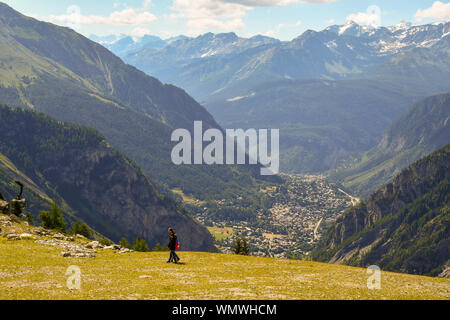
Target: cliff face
[[101, 186], [404, 226]]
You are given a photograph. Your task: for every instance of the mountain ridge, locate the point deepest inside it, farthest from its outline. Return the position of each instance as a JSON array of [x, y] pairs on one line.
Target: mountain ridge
[[421, 130], [99, 185], [403, 226], [71, 78]]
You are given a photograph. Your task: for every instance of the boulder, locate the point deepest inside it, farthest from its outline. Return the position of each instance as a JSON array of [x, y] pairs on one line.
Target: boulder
[[59, 236], [12, 236], [42, 232], [94, 245], [25, 236]]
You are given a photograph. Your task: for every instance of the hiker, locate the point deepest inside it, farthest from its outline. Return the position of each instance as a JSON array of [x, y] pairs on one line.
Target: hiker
[[173, 246]]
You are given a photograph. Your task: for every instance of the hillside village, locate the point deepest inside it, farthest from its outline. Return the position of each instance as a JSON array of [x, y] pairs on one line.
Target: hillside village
[[302, 208]]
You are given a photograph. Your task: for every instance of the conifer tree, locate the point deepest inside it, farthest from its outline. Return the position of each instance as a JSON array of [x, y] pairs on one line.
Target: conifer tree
[[140, 245], [238, 246]]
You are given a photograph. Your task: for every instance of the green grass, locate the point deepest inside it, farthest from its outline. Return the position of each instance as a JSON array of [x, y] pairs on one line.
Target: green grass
[[188, 199], [32, 271], [221, 233]]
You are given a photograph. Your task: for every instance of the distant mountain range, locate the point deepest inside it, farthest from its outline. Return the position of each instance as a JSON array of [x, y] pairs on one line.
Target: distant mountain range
[[93, 182], [424, 128], [63, 74], [223, 64], [402, 227], [332, 93]]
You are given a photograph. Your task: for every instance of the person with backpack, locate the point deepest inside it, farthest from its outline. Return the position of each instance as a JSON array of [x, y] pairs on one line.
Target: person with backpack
[[173, 246]]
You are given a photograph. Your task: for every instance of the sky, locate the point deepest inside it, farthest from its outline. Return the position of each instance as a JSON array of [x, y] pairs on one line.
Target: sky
[[282, 19]]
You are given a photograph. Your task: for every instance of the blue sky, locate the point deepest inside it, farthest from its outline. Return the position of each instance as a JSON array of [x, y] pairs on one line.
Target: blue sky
[[283, 19]]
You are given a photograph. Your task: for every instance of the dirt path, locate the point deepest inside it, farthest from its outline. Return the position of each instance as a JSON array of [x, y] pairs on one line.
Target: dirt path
[[353, 199], [316, 236]]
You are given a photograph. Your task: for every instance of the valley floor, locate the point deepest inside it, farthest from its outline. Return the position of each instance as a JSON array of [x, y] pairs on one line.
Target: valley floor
[[29, 270]]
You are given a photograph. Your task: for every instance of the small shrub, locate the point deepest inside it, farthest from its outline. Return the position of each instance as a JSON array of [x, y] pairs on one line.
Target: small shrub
[[140, 245], [160, 247], [16, 208], [29, 218], [124, 243], [105, 242], [53, 219], [81, 228]]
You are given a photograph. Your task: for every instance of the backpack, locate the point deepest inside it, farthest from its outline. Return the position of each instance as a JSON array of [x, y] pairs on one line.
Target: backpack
[[177, 245]]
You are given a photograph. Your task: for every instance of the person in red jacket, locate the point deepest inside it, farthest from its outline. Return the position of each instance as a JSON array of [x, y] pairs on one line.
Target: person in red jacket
[[173, 246]]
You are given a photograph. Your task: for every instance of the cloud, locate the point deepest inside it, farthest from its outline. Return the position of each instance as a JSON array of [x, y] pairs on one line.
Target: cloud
[[139, 32], [371, 17], [224, 15], [438, 10], [202, 9], [203, 15], [270, 33], [128, 16]]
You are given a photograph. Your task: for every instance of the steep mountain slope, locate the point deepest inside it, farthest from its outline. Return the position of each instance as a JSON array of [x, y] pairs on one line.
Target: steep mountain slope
[[101, 186], [37, 199], [401, 227], [224, 65], [63, 74], [323, 124], [361, 109], [423, 129], [128, 45], [201, 65]]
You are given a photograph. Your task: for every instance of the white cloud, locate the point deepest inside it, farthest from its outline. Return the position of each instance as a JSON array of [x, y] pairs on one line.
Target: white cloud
[[371, 17], [438, 10], [222, 14], [202, 9], [363, 18], [128, 16], [139, 32], [270, 33], [203, 15]]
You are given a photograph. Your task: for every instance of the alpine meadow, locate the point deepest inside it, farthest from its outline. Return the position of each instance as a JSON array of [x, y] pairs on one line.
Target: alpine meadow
[[225, 158]]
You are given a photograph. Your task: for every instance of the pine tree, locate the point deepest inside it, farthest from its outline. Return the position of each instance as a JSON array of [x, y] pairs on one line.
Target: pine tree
[[237, 246], [140, 245], [53, 219], [29, 218], [245, 250], [81, 228], [124, 243], [16, 208], [160, 247]]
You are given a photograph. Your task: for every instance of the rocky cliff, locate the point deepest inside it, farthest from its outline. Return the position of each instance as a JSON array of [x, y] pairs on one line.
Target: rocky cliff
[[404, 226], [100, 185]]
